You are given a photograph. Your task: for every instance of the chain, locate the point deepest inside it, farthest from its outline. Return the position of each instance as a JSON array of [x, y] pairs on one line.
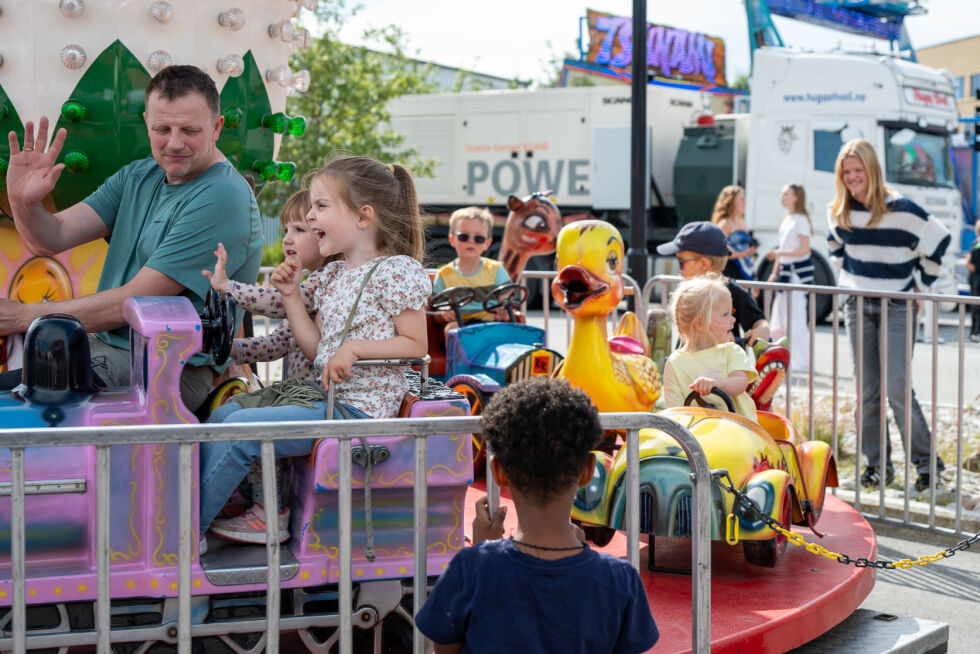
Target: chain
[[742, 500]]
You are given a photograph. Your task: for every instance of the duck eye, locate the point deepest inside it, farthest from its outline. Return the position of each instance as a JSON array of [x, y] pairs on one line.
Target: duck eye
[[612, 263]]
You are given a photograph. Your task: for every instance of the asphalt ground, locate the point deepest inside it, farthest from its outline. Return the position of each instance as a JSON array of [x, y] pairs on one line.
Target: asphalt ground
[[945, 591]]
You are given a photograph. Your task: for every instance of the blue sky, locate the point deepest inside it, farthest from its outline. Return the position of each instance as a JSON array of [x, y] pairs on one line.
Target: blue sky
[[510, 38]]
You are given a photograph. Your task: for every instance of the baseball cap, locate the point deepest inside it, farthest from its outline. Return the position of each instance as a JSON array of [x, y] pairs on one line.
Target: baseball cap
[[701, 237]]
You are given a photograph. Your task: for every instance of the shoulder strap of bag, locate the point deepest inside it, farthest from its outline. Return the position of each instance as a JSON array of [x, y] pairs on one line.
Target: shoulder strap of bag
[[360, 291]]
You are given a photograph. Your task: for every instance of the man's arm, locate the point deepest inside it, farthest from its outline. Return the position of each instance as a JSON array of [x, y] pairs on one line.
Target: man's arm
[[32, 175], [99, 312]]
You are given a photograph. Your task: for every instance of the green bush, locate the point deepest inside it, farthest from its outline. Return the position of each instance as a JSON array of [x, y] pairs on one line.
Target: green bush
[[272, 254]]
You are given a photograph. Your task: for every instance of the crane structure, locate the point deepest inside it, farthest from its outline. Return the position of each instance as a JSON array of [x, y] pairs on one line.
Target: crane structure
[[879, 19]]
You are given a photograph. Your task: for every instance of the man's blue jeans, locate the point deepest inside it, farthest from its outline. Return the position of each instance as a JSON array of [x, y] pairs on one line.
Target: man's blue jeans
[[898, 379], [225, 464]]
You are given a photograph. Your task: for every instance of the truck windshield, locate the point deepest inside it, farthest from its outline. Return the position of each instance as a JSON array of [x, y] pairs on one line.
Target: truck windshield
[[917, 158]]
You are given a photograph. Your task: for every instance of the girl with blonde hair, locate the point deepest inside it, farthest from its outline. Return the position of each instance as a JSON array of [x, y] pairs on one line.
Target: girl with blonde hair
[[885, 242], [729, 215], [701, 308]]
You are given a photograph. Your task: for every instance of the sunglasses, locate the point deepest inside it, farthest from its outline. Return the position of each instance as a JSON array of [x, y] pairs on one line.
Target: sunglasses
[[463, 237]]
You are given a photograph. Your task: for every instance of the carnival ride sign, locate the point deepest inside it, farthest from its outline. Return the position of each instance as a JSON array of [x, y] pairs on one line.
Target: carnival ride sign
[[671, 53]]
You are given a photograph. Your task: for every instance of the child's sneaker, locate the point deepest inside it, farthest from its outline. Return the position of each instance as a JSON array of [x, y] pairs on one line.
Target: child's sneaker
[[236, 505], [249, 527]]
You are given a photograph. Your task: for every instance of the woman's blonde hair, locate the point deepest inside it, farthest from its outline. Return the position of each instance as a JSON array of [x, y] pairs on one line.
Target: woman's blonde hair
[[692, 302], [800, 205], [386, 188], [725, 204], [877, 200]]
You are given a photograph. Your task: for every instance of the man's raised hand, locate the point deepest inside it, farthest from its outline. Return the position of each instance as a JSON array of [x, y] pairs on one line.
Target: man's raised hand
[[33, 170]]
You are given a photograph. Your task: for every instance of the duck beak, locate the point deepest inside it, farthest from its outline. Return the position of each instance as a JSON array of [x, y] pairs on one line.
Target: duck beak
[[574, 285]]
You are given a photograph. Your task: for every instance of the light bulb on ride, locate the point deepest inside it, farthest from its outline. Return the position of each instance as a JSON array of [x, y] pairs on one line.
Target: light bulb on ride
[[233, 19], [71, 8], [302, 40], [283, 30], [231, 65], [73, 56], [280, 75], [300, 81], [158, 60], [161, 12]]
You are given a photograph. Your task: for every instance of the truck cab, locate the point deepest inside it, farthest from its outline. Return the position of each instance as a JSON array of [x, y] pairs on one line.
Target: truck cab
[[805, 106]]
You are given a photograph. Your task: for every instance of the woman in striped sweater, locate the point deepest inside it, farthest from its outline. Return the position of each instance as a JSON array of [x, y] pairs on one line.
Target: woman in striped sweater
[[882, 241]]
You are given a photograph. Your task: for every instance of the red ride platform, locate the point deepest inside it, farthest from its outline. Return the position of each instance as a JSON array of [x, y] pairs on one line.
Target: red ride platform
[[753, 609]]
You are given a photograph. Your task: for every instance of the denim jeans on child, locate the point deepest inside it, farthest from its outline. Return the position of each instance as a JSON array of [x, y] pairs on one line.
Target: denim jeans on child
[[224, 464], [897, 380]]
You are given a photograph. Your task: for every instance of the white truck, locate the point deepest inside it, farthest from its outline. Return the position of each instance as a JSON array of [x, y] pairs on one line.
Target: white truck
[[806, 105], [576, 143]]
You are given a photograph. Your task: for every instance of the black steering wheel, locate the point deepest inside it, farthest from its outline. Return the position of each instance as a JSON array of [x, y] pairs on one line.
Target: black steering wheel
[[217, 326], [694, 396], [509, 296], [454, 298]]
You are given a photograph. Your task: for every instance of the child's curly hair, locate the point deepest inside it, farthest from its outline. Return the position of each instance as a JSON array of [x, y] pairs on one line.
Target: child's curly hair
[[541, 431]]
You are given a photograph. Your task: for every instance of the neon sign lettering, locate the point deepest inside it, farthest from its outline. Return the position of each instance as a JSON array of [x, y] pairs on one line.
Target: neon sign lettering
[[673, 53]]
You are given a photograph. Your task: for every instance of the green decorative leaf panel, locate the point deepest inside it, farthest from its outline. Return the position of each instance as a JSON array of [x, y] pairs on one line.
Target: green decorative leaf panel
[[245, 139], [104, 119]]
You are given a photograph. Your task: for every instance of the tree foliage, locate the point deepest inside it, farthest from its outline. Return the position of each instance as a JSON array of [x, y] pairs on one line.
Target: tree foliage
[[346, 105]]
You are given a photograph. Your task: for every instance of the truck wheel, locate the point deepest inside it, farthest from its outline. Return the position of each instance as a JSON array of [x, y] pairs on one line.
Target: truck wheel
[[823, 275]]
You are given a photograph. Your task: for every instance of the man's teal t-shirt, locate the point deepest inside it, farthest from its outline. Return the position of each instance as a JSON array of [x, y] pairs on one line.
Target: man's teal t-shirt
[[175, 229]]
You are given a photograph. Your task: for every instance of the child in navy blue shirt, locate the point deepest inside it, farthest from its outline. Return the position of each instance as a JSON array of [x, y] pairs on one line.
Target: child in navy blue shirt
[[543, 590]]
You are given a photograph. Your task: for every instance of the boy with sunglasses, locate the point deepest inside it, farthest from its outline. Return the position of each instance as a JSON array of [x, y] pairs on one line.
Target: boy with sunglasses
[[469, 234]]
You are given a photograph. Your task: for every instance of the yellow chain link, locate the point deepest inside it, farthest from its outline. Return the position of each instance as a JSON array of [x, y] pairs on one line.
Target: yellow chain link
[[813, 548]]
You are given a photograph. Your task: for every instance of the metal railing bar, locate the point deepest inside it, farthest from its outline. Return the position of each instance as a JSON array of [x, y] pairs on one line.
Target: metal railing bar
[[103, 611], [859, 396], [934, 414], [632, 498], [185, 533], [272, 551], [960, 370], [344, 516], [834, 433], [883, 459], [907, 431], [18, 553], [421, 525]]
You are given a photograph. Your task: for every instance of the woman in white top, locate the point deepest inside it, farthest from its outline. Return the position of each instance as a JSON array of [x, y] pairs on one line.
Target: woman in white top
[[792, 264]]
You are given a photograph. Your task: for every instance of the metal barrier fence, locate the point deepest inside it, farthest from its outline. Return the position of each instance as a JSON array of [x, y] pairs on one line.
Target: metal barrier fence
[[663, 284], [344, 431]]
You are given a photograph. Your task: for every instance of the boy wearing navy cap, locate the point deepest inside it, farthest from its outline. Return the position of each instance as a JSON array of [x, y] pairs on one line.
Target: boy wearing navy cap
[[701, 247]]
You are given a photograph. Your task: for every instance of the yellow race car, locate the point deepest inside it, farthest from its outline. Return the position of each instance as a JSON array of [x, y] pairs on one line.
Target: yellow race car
[[783, 474]]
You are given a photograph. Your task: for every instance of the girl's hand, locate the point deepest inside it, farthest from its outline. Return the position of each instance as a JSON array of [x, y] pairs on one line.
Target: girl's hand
[[286, 277], [751, 251], [219, 280], [341, 365], [703, 385], [771, 255]]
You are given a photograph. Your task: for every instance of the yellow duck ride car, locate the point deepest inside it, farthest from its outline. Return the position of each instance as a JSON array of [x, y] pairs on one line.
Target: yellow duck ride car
[[785, 475]]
